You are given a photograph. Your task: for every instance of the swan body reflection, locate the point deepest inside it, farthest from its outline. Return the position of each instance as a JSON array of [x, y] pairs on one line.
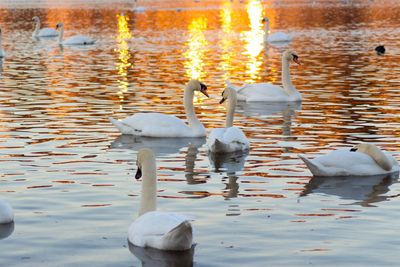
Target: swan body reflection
[[365, 190]]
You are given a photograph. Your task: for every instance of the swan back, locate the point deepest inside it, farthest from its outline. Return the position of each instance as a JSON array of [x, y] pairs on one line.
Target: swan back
[[6, 213], [376, 154]]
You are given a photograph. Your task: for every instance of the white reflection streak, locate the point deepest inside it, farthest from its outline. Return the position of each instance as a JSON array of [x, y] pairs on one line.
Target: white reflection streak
[[123, 55], [254, 40]]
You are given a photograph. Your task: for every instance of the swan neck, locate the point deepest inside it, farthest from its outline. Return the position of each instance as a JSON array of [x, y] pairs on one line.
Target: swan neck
[[37, 28], [148, 201], [232, 101], [189, 108], [266, 27], [60, 36], [286, 80]]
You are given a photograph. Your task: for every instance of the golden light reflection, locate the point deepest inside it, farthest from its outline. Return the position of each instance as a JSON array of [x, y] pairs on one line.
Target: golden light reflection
[[124, 55], [195, 53], [254, 40], [226, 41]]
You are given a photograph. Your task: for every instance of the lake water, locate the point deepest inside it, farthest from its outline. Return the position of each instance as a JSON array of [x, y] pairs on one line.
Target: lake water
[[69, 175]]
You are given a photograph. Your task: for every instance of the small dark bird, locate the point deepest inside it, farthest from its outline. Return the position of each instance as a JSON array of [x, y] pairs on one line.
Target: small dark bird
[[380, 50]]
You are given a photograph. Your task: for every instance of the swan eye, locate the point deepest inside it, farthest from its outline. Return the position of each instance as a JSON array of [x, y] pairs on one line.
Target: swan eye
[[295, 57], [222, 94]]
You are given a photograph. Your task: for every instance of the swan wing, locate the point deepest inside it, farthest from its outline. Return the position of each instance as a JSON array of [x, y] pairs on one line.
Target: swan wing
[[279, 37], [153, 229], [6, 213], [344, 163], [226, 140], [154, 125], [262, 92], [47, 32], [79, 40]]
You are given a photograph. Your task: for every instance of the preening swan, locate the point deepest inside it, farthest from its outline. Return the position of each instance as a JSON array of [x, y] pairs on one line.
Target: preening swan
[[267, 92], [44, 32], [230, 138], [161, 125], [363, 159], [156, 229], [277, 37], [6, 213], [2, 52], [73, 40]]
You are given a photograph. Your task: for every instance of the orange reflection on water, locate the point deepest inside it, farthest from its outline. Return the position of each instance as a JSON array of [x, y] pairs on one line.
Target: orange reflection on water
[[254, 40], [123, 54], [226, 41], [195, 53]]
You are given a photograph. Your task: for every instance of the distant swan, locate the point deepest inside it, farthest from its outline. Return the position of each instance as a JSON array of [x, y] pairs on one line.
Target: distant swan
[[267, 92], [230, 138], [44, 32], [363, 159], [2, 52], [73, 40], [277, 37], [6, 213], [161, 125], [156, 229]]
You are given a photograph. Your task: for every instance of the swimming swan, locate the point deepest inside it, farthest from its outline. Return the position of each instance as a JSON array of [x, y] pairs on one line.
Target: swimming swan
[[363, 159], [276, 37], [73, 40], [161, 125], [267, 92], [2, 52], [156, 229], [44, 32], [6, 213], [230, 138]]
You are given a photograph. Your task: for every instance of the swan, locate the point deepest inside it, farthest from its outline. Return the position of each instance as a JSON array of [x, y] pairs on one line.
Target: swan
[[2, 52], [276, 37], [73, 40], [230, 138], [363, 159], [267, 92], [44, 32], [161, 125], [6, 213], [156, 229]]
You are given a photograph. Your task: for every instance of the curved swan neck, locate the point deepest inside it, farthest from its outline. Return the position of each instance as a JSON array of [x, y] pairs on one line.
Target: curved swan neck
[[189, 108], [37, 28], [148, 201], [60, 36], [286, 80], [232, 101]]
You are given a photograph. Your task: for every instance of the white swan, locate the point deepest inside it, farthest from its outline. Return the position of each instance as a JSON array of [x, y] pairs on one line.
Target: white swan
[[73, 40], [276, 37], [161, 125], [230, 138], [156, 229], [43, 32], [363, 159], [267, 92], [6, 213], [2, 52]]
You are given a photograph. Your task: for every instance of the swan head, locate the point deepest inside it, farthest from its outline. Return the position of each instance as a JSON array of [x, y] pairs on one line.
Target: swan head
[[291, 56], [196, 85], [36, 19], [265, 19], [144, 155], [226, 94], [59, 25]]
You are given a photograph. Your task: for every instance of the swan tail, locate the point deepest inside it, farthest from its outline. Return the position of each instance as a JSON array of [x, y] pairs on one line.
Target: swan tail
[[236, 88], [123, 128], [179, 238], [314, 167]]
